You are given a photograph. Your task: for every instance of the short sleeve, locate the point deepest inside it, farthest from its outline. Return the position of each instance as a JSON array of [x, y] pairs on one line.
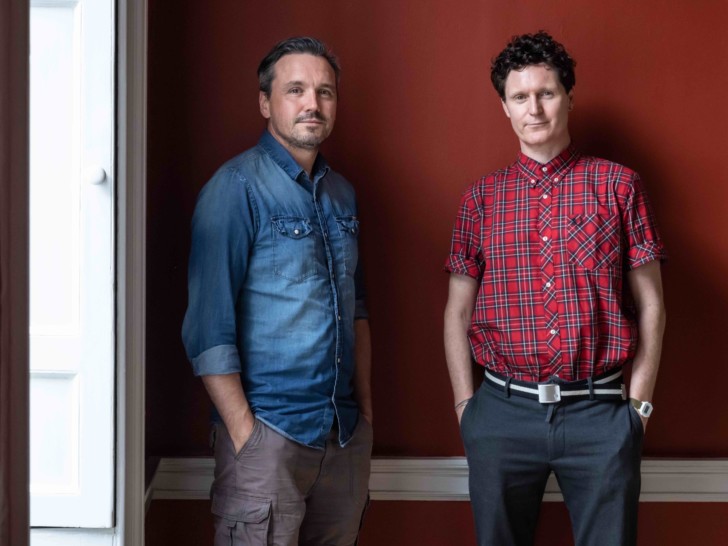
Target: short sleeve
[[643, 243], [466, 246]]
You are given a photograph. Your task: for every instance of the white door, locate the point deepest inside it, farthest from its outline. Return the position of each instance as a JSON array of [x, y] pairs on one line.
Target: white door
[[71, 265]]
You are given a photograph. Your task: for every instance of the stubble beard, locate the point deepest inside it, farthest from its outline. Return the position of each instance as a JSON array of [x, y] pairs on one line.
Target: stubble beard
[[306, 141], [308, 138]]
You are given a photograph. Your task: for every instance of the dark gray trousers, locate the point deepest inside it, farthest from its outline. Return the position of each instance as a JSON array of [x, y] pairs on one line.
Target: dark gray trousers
[[593, 447]]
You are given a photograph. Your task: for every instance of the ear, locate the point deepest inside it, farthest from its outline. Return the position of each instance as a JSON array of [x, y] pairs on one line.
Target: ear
[[264, 104], [505, 109]]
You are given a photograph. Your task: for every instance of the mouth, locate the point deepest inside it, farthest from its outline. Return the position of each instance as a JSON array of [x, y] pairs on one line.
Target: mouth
[[313, 121]]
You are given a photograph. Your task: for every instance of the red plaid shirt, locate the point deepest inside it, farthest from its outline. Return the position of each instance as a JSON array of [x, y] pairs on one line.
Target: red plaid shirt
[[550, 245]]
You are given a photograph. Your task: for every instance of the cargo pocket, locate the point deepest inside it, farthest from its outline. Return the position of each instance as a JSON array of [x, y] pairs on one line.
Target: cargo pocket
[[242, 520]]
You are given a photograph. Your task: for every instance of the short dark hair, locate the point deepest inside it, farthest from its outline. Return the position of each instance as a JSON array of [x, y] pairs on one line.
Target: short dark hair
[[298, 44], [530, 49]]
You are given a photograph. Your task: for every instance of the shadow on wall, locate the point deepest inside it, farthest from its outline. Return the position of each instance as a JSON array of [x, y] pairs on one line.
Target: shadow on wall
[[696, 295]]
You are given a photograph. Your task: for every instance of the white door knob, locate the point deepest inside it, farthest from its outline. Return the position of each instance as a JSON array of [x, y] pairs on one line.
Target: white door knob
[[94, 175]]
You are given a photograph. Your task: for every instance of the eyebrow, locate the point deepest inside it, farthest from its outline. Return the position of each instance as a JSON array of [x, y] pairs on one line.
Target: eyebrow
[[294, 83], [539, 90]]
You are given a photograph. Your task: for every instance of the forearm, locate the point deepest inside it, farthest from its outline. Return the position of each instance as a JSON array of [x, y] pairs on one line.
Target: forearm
[[458, 314], [226, 392], [647, 359], [646, 286], [458, 357], [363, 368]]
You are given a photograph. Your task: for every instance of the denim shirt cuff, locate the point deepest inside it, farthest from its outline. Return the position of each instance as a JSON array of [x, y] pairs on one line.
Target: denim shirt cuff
[[360, 310], [218, 360]]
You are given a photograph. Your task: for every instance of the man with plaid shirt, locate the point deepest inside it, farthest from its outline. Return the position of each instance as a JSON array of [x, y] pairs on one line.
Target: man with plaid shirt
[[554, 287]]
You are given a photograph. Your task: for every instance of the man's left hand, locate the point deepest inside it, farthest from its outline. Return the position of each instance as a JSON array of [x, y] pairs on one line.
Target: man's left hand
[[644, 423]]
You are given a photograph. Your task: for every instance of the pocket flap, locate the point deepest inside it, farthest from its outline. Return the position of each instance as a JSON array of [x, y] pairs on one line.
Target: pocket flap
[[349, 224], [237, 507], [295, 228]]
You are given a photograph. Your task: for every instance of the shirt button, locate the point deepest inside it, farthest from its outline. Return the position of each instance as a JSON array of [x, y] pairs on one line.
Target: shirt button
[[553, 332], [338, 360], [338, 317], [545, 238], [548, 285], [545, 196], [544, 169], [533, 182], [556, 179]]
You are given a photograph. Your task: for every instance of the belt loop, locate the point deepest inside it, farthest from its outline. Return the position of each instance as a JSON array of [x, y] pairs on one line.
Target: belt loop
[[590, 382], [507, 387]]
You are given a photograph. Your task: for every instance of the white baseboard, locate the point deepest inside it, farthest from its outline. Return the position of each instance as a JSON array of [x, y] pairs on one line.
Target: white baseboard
[[446, 479], [73, 537]]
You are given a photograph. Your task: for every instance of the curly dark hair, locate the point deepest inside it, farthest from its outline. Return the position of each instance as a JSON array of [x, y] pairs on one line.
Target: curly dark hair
[[530, 49], [298, 44]]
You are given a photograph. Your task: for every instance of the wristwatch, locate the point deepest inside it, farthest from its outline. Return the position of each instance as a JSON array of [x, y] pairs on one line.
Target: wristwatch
[[643, 407]]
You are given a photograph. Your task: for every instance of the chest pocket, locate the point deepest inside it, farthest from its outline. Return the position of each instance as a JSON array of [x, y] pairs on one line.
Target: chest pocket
[[294, 248], [594, 240], [349, 235]]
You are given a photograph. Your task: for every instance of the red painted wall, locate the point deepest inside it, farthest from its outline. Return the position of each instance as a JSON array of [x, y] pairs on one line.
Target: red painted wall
[[418, 121]]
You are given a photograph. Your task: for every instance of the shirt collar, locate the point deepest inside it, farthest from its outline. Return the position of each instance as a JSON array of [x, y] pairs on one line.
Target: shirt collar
[[556, 168], [285, 160]]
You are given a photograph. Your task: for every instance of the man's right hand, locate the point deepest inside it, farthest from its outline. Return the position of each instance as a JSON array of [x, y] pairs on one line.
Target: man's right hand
[[227, 394], [459, 412], [241, 433]]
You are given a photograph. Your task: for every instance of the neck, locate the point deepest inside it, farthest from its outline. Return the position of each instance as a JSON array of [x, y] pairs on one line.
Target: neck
[[304, 157], [544, 154]]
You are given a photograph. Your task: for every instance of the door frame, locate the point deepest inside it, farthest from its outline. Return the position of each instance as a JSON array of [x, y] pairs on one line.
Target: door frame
[[14, 342], [131, 126], [131, 247]]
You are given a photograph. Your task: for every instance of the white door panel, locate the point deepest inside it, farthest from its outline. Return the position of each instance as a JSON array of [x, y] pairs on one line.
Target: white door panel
[[72, 282]]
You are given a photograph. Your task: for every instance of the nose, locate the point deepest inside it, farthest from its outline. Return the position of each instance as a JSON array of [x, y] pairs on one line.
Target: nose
[[312, 101], [534, 105]]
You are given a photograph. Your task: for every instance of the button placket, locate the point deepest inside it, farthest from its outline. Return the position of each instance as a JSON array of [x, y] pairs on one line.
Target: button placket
[[547, 267]]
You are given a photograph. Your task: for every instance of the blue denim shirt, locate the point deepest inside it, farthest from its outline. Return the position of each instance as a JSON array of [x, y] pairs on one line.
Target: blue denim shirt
[[272, 291]]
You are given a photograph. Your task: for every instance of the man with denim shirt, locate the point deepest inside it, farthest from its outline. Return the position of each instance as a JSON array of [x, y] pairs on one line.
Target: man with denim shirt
[[541, 252], [276, 324]]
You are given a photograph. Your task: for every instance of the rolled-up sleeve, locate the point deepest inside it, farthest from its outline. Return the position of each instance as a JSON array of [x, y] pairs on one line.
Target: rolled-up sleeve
[[465, 256], [643, 241], [223, 229], [360, 294]]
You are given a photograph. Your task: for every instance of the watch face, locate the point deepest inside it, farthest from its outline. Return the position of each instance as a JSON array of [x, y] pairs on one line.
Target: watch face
[[644, 408]]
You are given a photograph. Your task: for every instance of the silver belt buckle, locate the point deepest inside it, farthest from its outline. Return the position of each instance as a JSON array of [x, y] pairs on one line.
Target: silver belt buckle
[[549, 394]]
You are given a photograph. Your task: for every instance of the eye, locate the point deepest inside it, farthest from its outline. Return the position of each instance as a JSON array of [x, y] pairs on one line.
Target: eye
[[519, 98], [295, 91], [326, 92], [547, 94]]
